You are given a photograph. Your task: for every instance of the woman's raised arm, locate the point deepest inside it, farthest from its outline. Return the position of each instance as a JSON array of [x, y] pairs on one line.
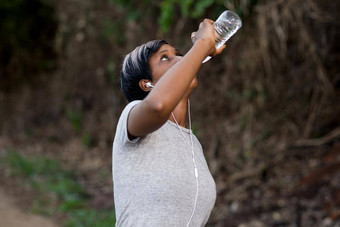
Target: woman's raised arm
[[155, 109]]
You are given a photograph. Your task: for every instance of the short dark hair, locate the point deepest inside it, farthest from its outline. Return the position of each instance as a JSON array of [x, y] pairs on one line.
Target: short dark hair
[[136, 67]]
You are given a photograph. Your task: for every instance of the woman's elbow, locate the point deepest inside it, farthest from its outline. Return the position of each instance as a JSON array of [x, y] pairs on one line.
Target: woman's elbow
[[158, 109]]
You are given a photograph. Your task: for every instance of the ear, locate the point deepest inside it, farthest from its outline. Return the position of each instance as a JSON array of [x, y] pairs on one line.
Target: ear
[[142, 85]]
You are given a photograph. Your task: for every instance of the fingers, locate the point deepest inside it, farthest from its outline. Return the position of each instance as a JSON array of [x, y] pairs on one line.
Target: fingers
[[220, 50], [205, 31], [208, 20], [200, 26], [193, 37]]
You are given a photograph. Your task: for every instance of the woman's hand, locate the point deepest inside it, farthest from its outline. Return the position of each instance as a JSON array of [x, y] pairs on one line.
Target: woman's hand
[[174, 85], [206, 32]]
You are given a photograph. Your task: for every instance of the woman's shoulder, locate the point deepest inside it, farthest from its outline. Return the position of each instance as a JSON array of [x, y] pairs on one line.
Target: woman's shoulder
[[129, 106], [132, 104]]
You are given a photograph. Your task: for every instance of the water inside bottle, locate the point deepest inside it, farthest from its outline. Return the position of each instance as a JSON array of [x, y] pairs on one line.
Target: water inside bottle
[[224, 32], [225, 26]]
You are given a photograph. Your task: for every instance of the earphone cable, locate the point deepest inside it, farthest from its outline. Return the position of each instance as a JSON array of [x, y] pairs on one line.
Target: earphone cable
[[193, 158]]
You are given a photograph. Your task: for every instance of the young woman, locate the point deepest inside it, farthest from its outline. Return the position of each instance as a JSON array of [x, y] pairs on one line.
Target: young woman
[[160, 175]]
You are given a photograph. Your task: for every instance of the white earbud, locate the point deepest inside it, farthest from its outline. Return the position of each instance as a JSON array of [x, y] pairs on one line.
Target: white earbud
[[148, 84]]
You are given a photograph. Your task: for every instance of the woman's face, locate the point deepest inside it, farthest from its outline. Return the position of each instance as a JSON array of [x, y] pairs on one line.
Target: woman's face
[[163, 60]]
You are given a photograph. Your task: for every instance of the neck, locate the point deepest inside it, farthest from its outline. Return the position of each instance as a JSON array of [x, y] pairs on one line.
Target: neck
[[180, 113]]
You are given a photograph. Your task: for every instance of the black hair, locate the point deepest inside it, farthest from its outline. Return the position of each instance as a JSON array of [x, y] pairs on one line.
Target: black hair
[[136, 67]]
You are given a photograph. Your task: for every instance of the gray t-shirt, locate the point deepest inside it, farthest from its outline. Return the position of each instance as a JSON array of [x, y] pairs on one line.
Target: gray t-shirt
[[154, 180]]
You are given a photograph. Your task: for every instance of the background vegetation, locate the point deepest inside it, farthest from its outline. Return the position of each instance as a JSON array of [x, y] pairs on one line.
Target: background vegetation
[[268, 112]]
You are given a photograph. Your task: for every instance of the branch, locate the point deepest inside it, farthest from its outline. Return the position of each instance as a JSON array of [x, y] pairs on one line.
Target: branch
[[319, 141]]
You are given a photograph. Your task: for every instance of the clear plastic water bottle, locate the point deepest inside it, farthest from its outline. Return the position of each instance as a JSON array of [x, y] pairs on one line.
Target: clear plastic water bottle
[[225, 26]]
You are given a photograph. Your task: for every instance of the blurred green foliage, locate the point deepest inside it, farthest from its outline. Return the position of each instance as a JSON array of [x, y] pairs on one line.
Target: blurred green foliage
[[111, 69], [31, 168], [90, 217], [87, 139], [76, 118], [46, 175], [56, 186], [114, 29], [168, 10]]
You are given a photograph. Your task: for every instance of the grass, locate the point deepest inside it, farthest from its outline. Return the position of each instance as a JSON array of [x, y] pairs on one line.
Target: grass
[[59, 190], [90, 217]]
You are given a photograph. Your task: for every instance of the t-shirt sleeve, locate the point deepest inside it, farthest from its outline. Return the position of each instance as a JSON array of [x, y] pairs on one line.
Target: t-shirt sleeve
[[121, 131]]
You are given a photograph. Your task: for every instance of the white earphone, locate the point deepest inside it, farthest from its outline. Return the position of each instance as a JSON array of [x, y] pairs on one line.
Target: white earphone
[[148, 84]]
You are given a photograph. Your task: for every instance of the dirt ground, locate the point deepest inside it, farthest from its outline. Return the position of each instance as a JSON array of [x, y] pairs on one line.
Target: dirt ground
[[12, 216]]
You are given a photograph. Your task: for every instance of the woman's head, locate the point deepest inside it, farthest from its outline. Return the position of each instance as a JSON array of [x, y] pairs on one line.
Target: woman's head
[[136, 67]]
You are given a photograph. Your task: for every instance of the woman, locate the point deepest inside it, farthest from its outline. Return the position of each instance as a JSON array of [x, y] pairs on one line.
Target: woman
[[160, 175]]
